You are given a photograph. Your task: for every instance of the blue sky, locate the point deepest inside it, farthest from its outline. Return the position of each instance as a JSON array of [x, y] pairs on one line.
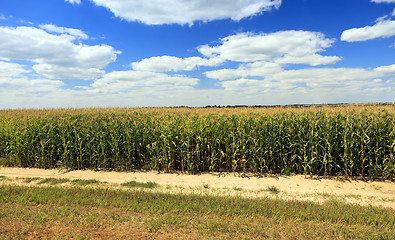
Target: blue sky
[[120, 53]]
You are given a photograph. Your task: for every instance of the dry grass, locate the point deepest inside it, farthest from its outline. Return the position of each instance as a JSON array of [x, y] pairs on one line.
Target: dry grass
[[86, 213]]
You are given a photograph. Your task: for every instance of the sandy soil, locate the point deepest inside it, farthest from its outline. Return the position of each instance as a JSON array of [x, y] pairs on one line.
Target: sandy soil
[[377, 193]]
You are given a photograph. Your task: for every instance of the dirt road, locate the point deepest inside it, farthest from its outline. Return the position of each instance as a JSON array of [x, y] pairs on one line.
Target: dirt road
[[377, 193]]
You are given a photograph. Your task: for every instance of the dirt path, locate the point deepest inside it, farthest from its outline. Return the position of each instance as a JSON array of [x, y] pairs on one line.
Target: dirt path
[[377, 193]]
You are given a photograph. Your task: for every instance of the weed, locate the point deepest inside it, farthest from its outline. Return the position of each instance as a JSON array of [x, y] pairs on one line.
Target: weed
[[140, 185], [53, 181], [287, 171], [340, 179], [352, 196], [375, 187], [155, 224], [84, 182], [29, 180], [273, 189]]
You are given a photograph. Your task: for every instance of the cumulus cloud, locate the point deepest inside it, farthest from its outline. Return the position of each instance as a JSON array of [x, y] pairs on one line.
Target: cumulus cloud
[[386, 70], [56, 56], [257, 69], [170, 63], [135, 88], [284, 47], [383, 18], [325, 77], [314, 85], [9, 70], [185, 11], [278, 86], [383, 29], [30, 87], [70, 31], [14, 80], [250, 87], [61, 72], [260, 55], [138, 81]]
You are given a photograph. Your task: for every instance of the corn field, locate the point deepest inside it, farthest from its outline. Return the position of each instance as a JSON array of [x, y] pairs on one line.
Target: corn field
[[351, 141]]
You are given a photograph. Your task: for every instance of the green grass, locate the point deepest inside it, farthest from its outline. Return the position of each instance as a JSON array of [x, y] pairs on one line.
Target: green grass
[[65, 212], [81, 182], [53, 181], [134, 184], [29, 180], [273, 189], [2, 178]]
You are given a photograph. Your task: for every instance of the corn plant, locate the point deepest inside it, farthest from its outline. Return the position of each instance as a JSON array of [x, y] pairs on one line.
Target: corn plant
[[325, 141]]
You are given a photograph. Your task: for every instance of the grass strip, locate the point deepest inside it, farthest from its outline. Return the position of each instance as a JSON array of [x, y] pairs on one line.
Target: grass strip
[[140, 185], [53, 181], [29, 180], [82, 182], [195, 215]]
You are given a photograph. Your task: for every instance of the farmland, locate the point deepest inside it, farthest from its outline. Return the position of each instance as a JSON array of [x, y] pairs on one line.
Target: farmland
[[347, 140], [267, 150]]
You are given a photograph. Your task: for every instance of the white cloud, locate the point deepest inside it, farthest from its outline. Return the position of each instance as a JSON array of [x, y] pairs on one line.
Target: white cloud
[[138, 81], [29, 86], [314, 85], [186, 11], [74, 1], [386, 70], [326, 77], [9, 70], [56, 56], [261, 54], [134, 88], [284, 47], [306, 85], [268, 51], [313, 59], [381, 19], [256, 69], [383, 29], [383, 1], [248, 86], [170, 63], [70, 31], [60, 72], [14, 80]]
